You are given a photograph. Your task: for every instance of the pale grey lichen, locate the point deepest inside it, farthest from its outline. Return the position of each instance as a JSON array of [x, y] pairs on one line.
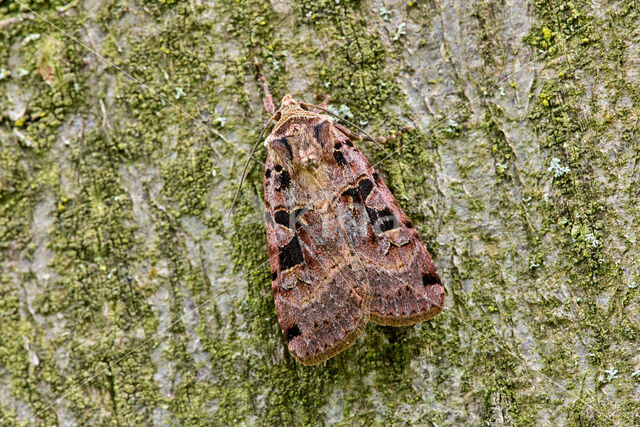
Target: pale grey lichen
[[400, 31], [384, 13], [179, 92], [556, 167], [342, 111]]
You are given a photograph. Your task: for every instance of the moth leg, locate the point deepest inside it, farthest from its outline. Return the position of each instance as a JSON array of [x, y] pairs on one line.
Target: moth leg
[[349, 133], [323, 105], [268, 99], [395, 134], [357, 137]]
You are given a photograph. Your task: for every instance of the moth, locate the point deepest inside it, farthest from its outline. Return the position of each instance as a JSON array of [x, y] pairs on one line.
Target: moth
[[341, 249]]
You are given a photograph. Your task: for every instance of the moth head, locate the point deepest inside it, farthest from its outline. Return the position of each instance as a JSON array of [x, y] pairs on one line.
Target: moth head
[[294, 144], [294, 141], [288, 103]]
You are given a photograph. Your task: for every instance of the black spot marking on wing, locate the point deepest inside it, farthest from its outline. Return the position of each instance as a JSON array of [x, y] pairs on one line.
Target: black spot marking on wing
[[387, 224], [282, 218], [354, 193], [337, 154], [339, 157], [373, 215], [360, 193], [381, 218], [365, 186], [429, 279], [292, 332], [284, 180], [267, 173], [376, 177], [274, 275], [349, 143], [290, 254]]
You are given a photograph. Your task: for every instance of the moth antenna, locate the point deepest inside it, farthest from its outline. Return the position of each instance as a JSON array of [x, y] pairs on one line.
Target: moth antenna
[[369, 137], [246, 165], [271, 109], [268, 99]]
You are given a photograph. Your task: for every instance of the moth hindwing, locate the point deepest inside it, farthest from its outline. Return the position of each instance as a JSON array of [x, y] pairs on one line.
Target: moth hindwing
[[342, 250]]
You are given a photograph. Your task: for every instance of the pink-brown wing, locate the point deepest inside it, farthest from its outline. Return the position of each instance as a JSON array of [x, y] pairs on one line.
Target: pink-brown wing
[[405, 286], [319, 286]]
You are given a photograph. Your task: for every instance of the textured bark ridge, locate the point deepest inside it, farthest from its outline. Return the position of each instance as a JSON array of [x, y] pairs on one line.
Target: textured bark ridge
[[340, 245], [128, 297]]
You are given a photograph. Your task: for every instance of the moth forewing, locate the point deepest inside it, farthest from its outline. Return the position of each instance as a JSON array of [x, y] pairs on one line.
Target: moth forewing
[[341, 248]]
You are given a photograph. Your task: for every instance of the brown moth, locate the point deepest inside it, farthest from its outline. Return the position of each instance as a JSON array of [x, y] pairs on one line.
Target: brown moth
[[342, 250]]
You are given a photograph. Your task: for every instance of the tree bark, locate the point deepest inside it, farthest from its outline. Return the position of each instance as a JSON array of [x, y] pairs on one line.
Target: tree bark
[[128, 295]]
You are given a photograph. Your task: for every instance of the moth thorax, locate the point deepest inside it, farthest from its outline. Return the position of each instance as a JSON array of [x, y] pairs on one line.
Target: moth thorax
[[309, 156], [308, 149], [296, 148]]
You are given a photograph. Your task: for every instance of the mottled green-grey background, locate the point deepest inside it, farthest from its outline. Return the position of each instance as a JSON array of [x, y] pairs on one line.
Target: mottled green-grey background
[[521, 175]]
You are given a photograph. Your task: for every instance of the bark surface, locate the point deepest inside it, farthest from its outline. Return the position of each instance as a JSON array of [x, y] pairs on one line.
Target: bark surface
[[128, 296]]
